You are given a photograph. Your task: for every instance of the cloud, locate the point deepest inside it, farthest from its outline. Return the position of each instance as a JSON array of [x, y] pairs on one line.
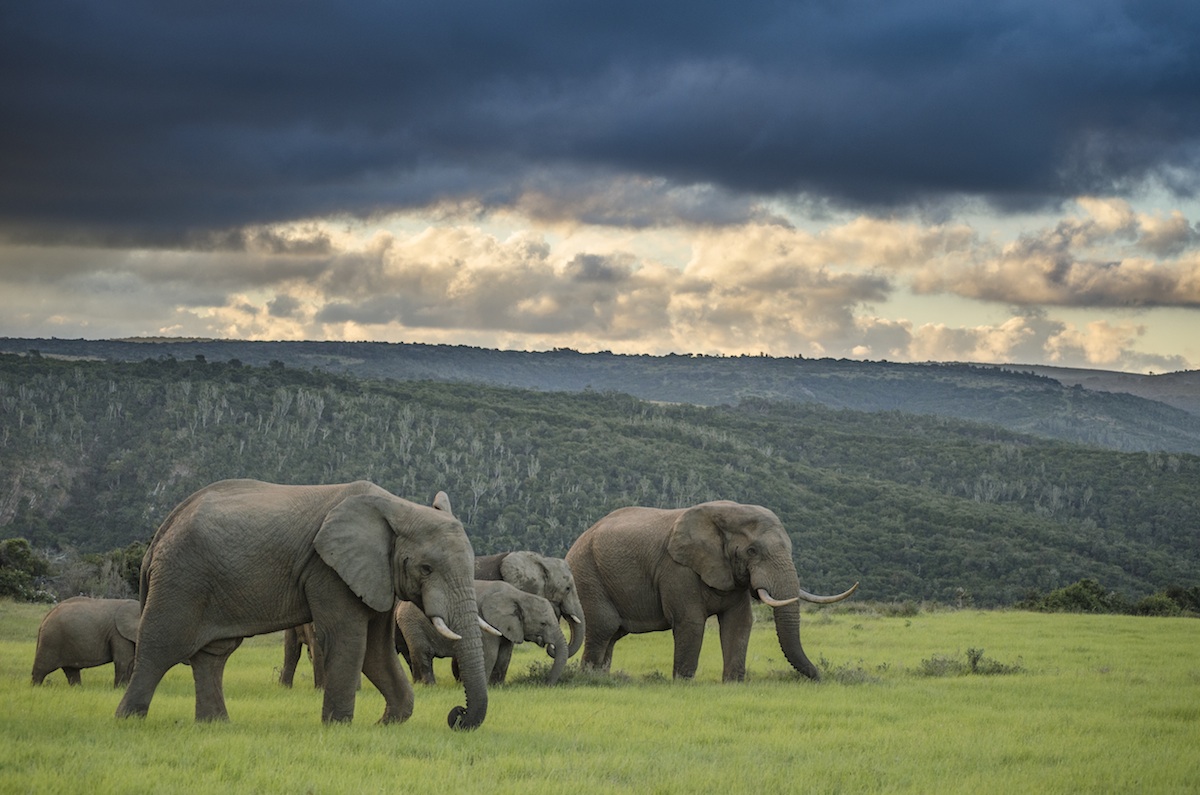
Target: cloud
[[150, 125], [1098, 259]]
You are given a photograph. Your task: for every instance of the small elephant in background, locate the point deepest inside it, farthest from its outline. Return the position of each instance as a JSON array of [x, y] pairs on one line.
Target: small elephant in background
[[303, 635], [549, 578], [84, 632], [509, 616]]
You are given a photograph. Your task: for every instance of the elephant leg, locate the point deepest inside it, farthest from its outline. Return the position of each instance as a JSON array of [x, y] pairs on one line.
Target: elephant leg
[[315, 657], [122, 662], [148, 671], [291, 656], [208, 673], [689, 636], [382, 667], [607, 651], [735, 640], [340, 620], [499, 668], [601, 633], [422, 666], [73, 677]]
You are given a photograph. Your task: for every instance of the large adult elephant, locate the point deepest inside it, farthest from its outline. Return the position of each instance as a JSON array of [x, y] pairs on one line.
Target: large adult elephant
[[649, 569], [242, 557], [82, 632], [512, 616], [549, 578]]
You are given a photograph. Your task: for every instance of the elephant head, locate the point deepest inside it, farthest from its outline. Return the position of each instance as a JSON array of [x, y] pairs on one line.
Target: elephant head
[[735, 546], [420, 555], [521, 616], [551, 579]]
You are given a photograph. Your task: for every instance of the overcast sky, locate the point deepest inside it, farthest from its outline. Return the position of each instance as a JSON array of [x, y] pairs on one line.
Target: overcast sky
[[911, 180]]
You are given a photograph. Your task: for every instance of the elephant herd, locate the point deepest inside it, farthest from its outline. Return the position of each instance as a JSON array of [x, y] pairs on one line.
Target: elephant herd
[[357, 574]]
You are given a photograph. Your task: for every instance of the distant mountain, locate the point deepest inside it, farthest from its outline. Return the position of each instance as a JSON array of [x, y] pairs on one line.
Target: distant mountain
[[1117, 411]]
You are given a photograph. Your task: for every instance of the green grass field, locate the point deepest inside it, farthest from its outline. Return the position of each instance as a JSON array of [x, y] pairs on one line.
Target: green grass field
[[1055, 703]]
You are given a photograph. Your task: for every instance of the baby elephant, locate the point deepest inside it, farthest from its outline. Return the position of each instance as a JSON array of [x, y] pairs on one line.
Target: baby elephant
[[512, 616], [83, 632]]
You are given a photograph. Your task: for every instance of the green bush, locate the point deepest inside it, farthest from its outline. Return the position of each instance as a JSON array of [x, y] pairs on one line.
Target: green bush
[[20, 569], [1157, 605]]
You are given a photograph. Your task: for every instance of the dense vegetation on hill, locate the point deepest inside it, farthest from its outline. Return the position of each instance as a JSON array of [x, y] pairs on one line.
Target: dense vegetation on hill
[[94, 454], [1013, 399]]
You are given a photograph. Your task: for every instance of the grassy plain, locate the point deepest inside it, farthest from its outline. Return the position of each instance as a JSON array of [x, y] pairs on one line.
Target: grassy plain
[[1082, 704]]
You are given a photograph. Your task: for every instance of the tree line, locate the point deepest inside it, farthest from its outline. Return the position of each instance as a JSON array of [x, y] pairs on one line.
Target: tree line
[[94, 454]]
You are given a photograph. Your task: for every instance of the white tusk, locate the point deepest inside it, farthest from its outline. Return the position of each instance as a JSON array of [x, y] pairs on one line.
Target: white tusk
[[575, 618], [488, 628], [824, 600], [440, 625], [767, 599]]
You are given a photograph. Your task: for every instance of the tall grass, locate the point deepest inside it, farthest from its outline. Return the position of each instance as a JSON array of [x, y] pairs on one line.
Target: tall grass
[[1077, 703]]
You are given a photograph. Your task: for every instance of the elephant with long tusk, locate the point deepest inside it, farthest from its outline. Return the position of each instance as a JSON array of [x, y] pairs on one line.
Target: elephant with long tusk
[[648, 569]]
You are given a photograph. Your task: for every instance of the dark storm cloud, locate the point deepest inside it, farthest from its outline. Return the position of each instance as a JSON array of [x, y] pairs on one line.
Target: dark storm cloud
[[133, 121]]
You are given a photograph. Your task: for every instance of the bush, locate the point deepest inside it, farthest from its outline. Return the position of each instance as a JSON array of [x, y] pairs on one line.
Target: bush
[[20, 570], [1157, 605], [1085, 596], [976, 663]]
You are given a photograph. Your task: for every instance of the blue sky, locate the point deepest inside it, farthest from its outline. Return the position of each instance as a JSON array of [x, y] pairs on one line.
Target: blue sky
[[904, 180]]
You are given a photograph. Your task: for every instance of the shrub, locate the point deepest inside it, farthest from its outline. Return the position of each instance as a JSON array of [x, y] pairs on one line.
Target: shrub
[[975, 663]]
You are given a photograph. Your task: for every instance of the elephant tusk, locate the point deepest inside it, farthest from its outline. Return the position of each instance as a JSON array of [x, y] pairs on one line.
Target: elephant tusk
[[824, 600], [575, 618], [439, 624], [488, 628], [767, 599]]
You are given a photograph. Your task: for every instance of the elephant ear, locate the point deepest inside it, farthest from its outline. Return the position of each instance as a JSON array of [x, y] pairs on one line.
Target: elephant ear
[[499, 611], [524, 571], [696, 541], [356, 541], [442, 502], [128, 618]]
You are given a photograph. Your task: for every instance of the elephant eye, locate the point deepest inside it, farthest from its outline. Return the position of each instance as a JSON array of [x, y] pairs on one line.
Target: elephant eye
[[426, 569], [752, 551]]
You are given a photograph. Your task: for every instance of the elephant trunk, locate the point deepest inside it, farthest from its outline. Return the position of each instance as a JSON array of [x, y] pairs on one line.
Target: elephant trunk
[[469, 651], [576, 641], [561, 653], [787, 629]]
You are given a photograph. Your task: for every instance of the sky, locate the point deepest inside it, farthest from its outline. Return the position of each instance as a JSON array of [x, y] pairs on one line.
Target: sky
[[906, 180]]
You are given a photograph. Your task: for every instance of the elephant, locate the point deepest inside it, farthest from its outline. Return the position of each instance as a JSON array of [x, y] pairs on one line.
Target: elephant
[[547, 577], [242, 557], [83, 632], [511, 615], [650, 569], [293, 639]]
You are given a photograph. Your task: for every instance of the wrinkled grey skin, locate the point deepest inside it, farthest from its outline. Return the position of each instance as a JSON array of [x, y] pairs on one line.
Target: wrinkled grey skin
[[647, 570], [549, 578], [242, 557], [293, 639], [519, 616], [83, 632]]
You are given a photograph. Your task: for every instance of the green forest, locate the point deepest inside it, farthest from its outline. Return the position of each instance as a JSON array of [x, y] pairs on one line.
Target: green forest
[[94, 454]]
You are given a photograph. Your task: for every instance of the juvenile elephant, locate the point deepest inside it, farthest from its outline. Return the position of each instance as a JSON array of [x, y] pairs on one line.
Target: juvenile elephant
[[549, 578], [293, 638], [648, 569], [513, 616], [82, 632], [242, 557]]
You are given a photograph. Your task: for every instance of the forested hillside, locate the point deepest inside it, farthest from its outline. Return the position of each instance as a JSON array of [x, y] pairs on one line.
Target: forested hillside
[[1008, 397], [94, 454]]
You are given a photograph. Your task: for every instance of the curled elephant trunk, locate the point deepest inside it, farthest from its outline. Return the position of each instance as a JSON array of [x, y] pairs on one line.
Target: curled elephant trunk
[[469, 651], [561, 653], [576, 625]]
